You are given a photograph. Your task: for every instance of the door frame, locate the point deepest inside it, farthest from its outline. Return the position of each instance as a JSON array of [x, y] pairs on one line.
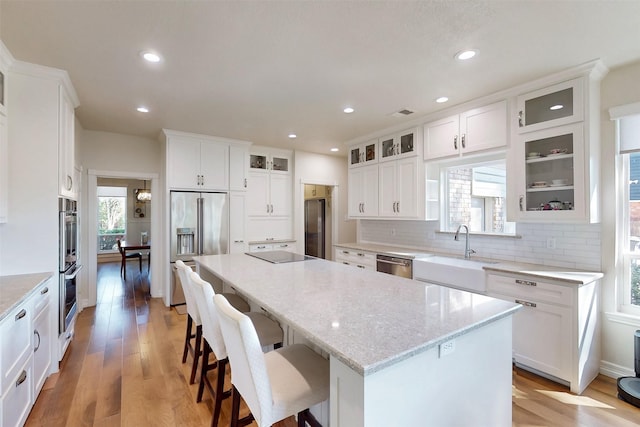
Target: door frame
[[299, 216], [89, 296]]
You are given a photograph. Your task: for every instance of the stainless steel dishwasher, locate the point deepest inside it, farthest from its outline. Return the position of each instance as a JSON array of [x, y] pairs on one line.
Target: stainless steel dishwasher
[[397, 266]]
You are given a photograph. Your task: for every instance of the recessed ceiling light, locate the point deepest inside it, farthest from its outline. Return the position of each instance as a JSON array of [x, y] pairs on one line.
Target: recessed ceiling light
[[334, 149], [463, 55], [556, 107], [292, 135], [348, 110], [142, 109], [442, 99], [150, 56]]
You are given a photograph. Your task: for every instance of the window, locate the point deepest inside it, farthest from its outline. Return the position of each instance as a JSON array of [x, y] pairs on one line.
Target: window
[[112, 217], [475, 195]]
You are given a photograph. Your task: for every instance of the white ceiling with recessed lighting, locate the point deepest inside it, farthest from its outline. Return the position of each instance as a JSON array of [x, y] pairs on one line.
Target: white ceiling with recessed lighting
[[262, 70]]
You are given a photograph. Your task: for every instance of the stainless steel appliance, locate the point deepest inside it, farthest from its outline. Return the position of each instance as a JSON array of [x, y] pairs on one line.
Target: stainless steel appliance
[[199, 226], [397, 266], [68, 267], [314, 228]]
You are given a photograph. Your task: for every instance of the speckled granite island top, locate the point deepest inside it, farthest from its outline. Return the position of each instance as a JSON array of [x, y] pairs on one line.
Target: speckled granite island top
[[15, 289], [367, 320]]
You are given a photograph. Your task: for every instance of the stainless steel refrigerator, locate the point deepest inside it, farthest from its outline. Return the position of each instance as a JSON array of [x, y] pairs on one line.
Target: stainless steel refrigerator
[[199, 226], [314, 227]]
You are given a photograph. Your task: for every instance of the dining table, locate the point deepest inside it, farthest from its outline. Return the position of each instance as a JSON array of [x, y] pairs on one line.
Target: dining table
[[136, 246]]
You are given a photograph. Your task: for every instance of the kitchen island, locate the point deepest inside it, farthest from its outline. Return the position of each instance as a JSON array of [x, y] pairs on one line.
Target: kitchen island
[[402, 353]]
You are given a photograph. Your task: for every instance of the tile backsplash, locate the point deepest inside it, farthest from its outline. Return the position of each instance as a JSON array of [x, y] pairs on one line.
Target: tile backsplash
[[574, 246]]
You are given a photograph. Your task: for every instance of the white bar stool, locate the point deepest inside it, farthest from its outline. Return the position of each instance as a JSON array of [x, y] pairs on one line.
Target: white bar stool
[[269, 333], [275, 385]]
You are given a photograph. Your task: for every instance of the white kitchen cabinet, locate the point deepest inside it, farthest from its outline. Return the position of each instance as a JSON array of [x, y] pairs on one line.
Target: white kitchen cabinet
[[399, 145], [475, 130], [270, 184], [556, 333], [237, 222], [66, 146], [398, 185], [15, 336], [364, 153], [289, 246], [357, 258], [554, 162], [16, 402], [43, 336], [196, 163], [363, 191], [238, 167], [271, 161], [555, 105], [4, 171]]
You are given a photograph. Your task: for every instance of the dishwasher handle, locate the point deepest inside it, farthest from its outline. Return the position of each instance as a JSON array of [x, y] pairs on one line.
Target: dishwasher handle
[[393, 261]]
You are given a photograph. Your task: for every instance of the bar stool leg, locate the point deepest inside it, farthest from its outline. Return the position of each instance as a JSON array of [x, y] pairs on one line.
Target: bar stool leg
[[196, 354], [187, 338]]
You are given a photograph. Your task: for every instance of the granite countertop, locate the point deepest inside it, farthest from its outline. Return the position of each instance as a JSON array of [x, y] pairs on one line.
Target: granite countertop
[[15, 289], [576, 277], [365, 319]]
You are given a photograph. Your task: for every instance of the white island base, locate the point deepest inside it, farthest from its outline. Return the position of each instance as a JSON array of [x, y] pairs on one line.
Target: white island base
[[469, 387]]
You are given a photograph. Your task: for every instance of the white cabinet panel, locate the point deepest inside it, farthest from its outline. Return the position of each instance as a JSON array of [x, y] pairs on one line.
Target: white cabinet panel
[[66, 146], [196, 164], [15, 404], [258, 203], [4, 172], [398, 184], [363, 191], [214, 166], [237, 222], [238, 167]]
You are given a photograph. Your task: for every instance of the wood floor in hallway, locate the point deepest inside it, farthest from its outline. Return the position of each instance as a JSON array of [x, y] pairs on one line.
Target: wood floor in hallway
[[124, 368]]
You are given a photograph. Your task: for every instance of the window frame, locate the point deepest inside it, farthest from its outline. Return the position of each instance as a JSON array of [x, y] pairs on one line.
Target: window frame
[[125, 196], [626, 256]]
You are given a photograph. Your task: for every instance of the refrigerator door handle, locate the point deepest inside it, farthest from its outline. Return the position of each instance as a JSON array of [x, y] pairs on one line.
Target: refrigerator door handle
[[200, 222]]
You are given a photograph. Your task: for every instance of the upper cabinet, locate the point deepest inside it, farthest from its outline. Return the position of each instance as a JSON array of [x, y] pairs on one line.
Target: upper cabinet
[[270, 181], [363, 192], [399, 188], [554, 161], [68, 187], [197, 163], [399, 145], [556, 105], [238, 167], [5, 61], [362, 154], [472, 131]]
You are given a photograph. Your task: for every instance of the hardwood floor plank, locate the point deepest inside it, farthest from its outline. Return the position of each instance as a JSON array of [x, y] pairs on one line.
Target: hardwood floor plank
[[124, 368]]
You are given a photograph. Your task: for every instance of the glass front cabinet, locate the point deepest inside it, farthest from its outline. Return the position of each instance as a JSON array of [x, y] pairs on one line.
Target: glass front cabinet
[[365, 153], [554, 162]]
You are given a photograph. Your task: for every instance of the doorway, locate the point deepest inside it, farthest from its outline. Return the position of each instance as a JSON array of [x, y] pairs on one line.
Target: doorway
[[317, 220]]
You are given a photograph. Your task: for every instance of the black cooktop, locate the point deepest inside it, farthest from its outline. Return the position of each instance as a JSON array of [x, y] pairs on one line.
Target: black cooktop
[[278, 257]]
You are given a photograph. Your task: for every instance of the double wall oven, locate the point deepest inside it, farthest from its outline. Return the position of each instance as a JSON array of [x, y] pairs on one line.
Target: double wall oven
[[68, 265]]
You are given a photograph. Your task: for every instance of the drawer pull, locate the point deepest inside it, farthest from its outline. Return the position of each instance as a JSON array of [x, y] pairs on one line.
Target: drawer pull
[[345, 262], [360, 254], [361, 266], [21, 378], [526, 303], [526, 282], [21, 314], [44, 291], [36, 333]]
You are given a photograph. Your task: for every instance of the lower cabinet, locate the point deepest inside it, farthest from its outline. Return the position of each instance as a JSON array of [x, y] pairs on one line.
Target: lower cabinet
[[25, 355], [289, 246], [360, 259], [556, 333]]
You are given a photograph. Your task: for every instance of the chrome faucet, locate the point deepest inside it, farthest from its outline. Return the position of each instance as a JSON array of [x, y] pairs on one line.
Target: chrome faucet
[[467, 250]]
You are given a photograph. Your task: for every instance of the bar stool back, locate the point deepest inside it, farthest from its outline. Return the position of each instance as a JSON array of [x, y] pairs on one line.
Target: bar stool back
[[193, 318], [275, 385]]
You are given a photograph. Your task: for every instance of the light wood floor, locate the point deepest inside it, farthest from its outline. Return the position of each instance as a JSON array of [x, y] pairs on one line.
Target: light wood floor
[[123, 369]]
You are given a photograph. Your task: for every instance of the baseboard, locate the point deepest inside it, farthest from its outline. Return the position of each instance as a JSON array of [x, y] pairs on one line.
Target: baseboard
[[615, 371]]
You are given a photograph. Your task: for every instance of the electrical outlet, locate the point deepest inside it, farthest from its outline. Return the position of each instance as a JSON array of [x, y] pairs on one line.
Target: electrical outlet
[[551, 243], [447, 348]]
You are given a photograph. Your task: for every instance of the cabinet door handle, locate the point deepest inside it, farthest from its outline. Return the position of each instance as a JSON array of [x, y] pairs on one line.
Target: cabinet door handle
[[464, 136], [36, 333], [526, 282], [455, 142], [345, 252], [44, 291], [398, 206], [245, 183], [238, 241], [361, 266], [69, 183], [360, 254], [521, 203], [520, 123], [21, 314], [21, 378], [526, 303]]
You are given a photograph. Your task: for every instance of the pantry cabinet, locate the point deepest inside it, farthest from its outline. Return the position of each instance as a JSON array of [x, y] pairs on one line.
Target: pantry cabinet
[[556, 333], [475, 130], [197, 164]]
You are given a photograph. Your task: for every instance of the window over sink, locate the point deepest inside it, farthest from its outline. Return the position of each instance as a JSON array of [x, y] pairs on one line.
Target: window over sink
[[475, 195]]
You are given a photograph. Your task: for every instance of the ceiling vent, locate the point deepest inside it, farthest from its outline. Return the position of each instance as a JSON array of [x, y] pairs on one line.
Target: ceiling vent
[[402, 113]]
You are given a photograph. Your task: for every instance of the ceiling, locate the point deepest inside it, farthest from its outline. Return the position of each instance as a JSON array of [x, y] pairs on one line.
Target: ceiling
[[259, 70]]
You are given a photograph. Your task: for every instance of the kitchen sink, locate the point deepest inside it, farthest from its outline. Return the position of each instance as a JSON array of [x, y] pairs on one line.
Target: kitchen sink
[[465, 274]]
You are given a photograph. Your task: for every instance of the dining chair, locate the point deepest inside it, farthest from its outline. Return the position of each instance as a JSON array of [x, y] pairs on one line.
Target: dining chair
[[276, 384], [194, 317], [269, 334], [127, 256]]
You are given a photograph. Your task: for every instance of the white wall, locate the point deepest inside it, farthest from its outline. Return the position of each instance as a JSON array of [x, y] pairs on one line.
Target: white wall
[[313, 168], [620, 87]]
